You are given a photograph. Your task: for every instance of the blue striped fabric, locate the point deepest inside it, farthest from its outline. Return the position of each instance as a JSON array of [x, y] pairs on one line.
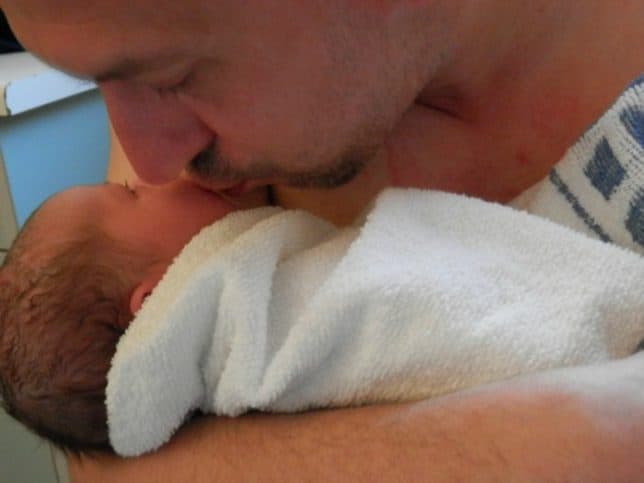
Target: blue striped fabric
[[601, 178]]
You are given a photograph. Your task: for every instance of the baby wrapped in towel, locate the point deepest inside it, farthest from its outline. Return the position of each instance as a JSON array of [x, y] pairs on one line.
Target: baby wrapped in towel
[[431, 293], [279, 311]]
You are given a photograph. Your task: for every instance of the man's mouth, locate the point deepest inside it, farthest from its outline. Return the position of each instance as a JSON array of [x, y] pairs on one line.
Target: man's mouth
[[237, 189], [232, 188]]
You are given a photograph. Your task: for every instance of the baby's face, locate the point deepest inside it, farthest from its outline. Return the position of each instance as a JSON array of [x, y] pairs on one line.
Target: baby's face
[[158, 219]]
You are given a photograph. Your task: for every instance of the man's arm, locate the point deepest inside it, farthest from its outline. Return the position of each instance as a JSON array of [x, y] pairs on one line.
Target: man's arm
[[582, 424]]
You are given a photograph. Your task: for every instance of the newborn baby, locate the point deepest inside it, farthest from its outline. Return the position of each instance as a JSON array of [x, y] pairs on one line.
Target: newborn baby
[[78, 271], [279, 311]]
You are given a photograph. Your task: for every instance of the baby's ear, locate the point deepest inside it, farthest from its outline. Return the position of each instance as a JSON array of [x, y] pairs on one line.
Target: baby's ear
[[145, 287]]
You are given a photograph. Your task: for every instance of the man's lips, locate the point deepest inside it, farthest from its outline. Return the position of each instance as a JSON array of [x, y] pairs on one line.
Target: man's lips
[[235, 190], [232, 188]]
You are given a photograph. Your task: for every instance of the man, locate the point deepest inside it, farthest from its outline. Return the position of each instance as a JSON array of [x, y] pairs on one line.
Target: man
[[322, 98]]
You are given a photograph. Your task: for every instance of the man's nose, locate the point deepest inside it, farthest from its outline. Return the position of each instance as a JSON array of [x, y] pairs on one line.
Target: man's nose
[[158, 132]]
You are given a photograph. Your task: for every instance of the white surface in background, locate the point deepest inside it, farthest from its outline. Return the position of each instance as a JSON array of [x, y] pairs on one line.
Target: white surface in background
[[27, 83]]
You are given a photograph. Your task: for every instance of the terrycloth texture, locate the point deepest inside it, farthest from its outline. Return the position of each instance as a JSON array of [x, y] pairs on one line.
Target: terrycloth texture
[[598, 187], [278, 311]]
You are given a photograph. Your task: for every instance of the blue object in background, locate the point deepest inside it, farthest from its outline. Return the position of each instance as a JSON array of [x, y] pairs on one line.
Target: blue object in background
[[52, 148]]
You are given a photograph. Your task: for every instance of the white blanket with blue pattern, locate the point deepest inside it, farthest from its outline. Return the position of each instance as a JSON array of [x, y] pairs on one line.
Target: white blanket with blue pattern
[[598, 187]]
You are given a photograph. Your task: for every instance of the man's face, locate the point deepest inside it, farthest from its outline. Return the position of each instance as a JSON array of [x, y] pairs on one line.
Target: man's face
[[281, 91]]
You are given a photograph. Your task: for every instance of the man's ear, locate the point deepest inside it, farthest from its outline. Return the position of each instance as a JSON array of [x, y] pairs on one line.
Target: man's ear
[[145, 287]]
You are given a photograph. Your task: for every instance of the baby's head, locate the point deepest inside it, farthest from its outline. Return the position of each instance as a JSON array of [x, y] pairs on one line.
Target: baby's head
[[74, 277]]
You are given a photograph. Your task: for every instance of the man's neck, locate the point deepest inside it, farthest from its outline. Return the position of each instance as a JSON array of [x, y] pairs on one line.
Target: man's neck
[[500, 47], [522, 81]]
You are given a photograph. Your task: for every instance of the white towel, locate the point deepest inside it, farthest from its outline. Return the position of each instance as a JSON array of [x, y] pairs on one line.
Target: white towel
[[279, 311]]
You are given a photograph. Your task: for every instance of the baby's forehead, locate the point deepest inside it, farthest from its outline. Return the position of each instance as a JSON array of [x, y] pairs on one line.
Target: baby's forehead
[[61, 216], [73, 205]]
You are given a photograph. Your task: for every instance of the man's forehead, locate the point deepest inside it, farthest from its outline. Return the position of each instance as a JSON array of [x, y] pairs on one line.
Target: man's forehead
[[92, 40], [166, 13], [100, 40], [58, 11], [77, 9]]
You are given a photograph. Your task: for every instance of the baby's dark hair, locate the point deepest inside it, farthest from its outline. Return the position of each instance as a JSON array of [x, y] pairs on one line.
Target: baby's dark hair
[[63, 306]]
